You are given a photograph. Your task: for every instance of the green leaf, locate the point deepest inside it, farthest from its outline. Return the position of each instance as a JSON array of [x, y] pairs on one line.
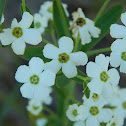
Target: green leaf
[[60, 19], [104, 23], [2, 6], [86, 90], [34, 52], [28, 10]]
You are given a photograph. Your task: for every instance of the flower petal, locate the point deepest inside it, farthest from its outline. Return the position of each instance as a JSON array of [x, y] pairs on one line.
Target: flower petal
[[79, 58], [92, 121], [114, 77], [123, 18], [36, 65], [27, 20], [53, 66], [123, 67], [65, 44], [50, 51], [23, 74], [14, 23], [32, 36], [117, 31], [18, 46], [69, 69]]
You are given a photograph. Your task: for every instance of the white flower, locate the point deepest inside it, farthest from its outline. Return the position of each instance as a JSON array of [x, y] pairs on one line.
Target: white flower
[[102, 78], [84, 26], [75, 112], [118, 54], [40, 22], [36, 81], [2, 19], [95, 114], [119, 31], [34, 107], [62, 57], [41, 122], [116, 121], [46, 10], [79, 123], [19, 33]]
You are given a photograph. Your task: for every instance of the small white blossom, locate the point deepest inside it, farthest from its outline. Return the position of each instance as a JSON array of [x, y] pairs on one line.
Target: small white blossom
[[116, 121], [41, 122], [40, 22], [119, 31], [19, 34], [36, 81], [84, 26], [2, 19], [62, 57], [75, 112], [46, 10], [79, 123], [118, 54], [102, 78], [34, 107]]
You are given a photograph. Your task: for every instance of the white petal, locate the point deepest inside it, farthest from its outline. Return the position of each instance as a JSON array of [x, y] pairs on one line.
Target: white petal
[[92, 121], [84, 35], [27, 20], [65, 44], [6, 37], [14, 23], [27, 90], [48, 78], [50, 51], [79, 58], [94, 31], [95, 86], [53, 66], [2, 19], [114, 77], [92, 70], [18, 46], [32, 36], [123, 67], [105, 115], [117, 31], [23, 74], [69, 69], [115, 59], [123, 18], [36, 65]]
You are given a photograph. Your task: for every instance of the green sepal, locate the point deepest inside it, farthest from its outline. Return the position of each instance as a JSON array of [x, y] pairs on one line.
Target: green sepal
[[86, 90]]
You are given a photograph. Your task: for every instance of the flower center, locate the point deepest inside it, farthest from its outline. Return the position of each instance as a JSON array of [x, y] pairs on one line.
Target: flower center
[[75, 113], [37, 24], [50, 9], [80, 22], [63, 58], [35, 107], [124, 105], [17, 32], [104, 76], [113, 124], [95, 97], [123, 56], [94, 110], [34, 79]]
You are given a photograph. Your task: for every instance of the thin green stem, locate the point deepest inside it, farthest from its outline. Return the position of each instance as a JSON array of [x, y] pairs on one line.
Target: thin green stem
[[101, 10], [83, 78], [23, 5], [77, 39], [93, 52], [45, 41], [54, 37]]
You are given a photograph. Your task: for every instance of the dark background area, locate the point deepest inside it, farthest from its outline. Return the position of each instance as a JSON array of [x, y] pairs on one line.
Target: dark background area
[[12, 105]]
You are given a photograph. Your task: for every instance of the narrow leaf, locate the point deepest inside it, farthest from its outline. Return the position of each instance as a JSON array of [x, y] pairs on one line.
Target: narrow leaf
[[2, 6]]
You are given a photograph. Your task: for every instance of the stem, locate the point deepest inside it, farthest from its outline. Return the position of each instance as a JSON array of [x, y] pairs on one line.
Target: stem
[[45, 41], [101, 10], [23, 5], [54, 37], [83, 78], [77, 39], [90, 53]]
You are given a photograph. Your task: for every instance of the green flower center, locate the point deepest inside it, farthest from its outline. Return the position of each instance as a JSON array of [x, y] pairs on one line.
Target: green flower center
[[94, 110], [75, 113], [103, 124], [123, 56], [34, 79], [104, 76], [37, 24], [17, 32], [81, 21], [124, 105], [113, 124], [63, 58], [50, 9], [35, 107], [95, 97]]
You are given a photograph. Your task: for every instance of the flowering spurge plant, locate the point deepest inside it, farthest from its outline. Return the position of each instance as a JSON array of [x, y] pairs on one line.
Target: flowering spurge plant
[[19, 34]]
